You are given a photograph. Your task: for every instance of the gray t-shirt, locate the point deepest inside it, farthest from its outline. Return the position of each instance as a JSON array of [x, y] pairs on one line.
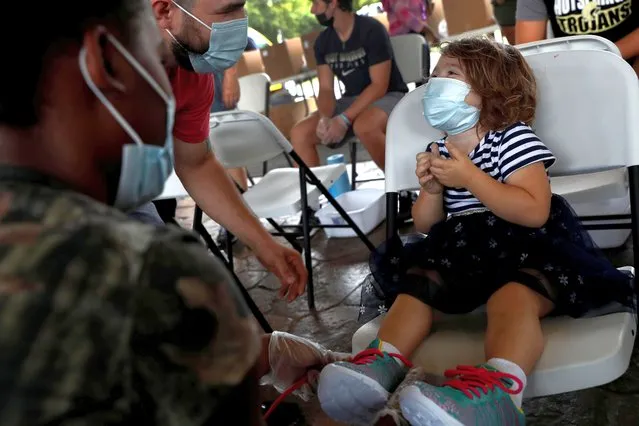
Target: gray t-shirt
[[531, 10]]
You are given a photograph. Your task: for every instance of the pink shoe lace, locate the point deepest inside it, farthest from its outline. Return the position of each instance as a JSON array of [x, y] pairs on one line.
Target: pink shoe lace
[[473, 380], [366, 356]]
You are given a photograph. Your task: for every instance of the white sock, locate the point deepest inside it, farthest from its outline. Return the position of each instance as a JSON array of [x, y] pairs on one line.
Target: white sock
[[390, 349], [510, 367]]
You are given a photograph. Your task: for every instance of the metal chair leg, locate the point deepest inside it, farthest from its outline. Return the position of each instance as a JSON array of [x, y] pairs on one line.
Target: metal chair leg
[[306, 171], [392, 204], [633, 180], [229, 248], [210, 244], [282, 231], [306, 229], [353, 166], [261, 319]]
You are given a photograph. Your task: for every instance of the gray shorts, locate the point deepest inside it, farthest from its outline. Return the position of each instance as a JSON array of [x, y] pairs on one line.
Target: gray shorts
[[386, 104]]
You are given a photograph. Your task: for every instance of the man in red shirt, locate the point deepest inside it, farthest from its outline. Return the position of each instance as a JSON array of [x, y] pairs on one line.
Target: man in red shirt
[[189, 31]]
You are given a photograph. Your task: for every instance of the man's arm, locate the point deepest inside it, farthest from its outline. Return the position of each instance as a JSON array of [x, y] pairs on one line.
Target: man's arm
[[629, 45], [231, 88], [380, 77], [326, 96], [532, 18], [209, 185], [219, 198]]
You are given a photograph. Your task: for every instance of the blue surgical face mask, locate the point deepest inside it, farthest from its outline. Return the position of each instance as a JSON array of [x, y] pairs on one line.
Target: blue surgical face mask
[[226, 45], [445, 106], [145, 167]]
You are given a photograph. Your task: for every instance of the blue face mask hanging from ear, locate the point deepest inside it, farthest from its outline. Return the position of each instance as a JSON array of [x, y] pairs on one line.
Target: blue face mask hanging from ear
[[226, 45], [145, 168], [445, 106]]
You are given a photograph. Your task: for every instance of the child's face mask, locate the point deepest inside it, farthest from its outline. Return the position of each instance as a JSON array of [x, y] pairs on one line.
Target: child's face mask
[[445, 107]]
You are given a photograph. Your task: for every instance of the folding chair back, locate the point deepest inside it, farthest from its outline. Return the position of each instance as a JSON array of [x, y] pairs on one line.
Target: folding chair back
[[585, 42], [245, 138], [408, 51], [254, 93], [588, 104]]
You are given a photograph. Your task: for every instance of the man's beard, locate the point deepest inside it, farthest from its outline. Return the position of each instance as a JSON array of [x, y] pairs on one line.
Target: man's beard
[[181, 56]]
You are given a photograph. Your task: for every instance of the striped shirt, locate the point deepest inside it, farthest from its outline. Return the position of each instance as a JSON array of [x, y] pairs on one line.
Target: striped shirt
[[499, 154]]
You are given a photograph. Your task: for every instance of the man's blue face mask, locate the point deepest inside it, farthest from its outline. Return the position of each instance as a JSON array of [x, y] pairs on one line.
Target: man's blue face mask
[[226, 45]]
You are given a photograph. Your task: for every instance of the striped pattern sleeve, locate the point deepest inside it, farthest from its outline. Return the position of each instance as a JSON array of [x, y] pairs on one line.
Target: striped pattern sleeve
[[520, 147]]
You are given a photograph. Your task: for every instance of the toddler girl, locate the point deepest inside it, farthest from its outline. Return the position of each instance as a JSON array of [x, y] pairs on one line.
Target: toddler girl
[[496, 236]]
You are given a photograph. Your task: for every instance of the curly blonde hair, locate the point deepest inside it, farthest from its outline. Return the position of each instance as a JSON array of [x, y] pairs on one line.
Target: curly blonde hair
[[500, 75]]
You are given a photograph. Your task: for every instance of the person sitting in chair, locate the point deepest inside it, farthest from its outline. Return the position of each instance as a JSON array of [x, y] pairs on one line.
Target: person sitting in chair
[[356, 50], [614, 21]]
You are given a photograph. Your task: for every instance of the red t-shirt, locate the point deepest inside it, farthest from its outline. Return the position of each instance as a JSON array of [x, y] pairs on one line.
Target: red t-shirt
[[193, 99]]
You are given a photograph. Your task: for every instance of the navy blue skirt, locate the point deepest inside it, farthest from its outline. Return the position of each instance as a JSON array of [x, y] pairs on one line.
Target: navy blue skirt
[[474, 255]]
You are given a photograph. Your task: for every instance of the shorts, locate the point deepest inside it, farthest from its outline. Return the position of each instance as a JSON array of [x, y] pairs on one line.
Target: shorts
[[505, 12], [147, 213], [386, 104]]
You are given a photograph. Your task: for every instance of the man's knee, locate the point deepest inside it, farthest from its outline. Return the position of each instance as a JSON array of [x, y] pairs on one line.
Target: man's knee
[[370, 122], [304, 131]]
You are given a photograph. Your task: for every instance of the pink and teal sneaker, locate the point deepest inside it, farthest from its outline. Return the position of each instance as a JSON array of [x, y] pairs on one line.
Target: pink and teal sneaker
[[472, 396], [354, 391]]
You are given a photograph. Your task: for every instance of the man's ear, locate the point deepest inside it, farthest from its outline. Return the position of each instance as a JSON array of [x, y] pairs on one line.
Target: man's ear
[[103, 60], [163, 12]]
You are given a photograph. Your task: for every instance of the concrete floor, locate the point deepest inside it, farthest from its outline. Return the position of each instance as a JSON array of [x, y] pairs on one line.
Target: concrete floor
[[340, 266]]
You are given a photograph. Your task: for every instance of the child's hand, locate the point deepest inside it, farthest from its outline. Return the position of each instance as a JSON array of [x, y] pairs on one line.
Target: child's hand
[[426, 180], [456, 172]]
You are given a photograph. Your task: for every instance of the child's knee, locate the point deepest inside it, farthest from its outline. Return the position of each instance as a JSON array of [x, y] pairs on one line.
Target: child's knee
[[515, 298]]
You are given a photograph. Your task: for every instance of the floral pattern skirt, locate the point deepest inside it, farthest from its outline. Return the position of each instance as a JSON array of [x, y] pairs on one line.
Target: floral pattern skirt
[[467, 258]]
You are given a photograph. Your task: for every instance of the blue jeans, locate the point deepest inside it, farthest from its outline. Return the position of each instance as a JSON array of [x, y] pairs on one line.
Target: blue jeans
[[218, 104]]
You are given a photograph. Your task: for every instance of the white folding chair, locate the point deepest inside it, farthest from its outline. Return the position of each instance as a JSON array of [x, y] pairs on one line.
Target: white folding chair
[[242, 138], [599, 198], [414, 65], [582, 42], [579, 353], [255, 93]]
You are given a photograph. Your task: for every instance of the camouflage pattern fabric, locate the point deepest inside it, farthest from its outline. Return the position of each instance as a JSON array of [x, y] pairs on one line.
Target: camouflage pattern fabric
[[106, 321]]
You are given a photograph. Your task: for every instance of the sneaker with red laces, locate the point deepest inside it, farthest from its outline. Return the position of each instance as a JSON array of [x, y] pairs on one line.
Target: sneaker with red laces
[[353, 392], [477, 396]]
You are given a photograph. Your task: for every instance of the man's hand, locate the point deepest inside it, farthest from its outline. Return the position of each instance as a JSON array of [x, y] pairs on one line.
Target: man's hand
[[287, 265], [292, 357], [337, 129], [230, 88], [456, 172], [322, 129], [427, 181]]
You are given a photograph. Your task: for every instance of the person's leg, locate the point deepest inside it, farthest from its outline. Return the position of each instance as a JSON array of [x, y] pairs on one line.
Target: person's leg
[[514, 343], [239, 176], [353, 392], [406, 310], [370, 128], [508, 33], [305, 141], [514, 330]]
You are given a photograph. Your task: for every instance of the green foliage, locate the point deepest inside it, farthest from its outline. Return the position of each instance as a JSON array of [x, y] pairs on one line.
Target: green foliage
[[293, 17]]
